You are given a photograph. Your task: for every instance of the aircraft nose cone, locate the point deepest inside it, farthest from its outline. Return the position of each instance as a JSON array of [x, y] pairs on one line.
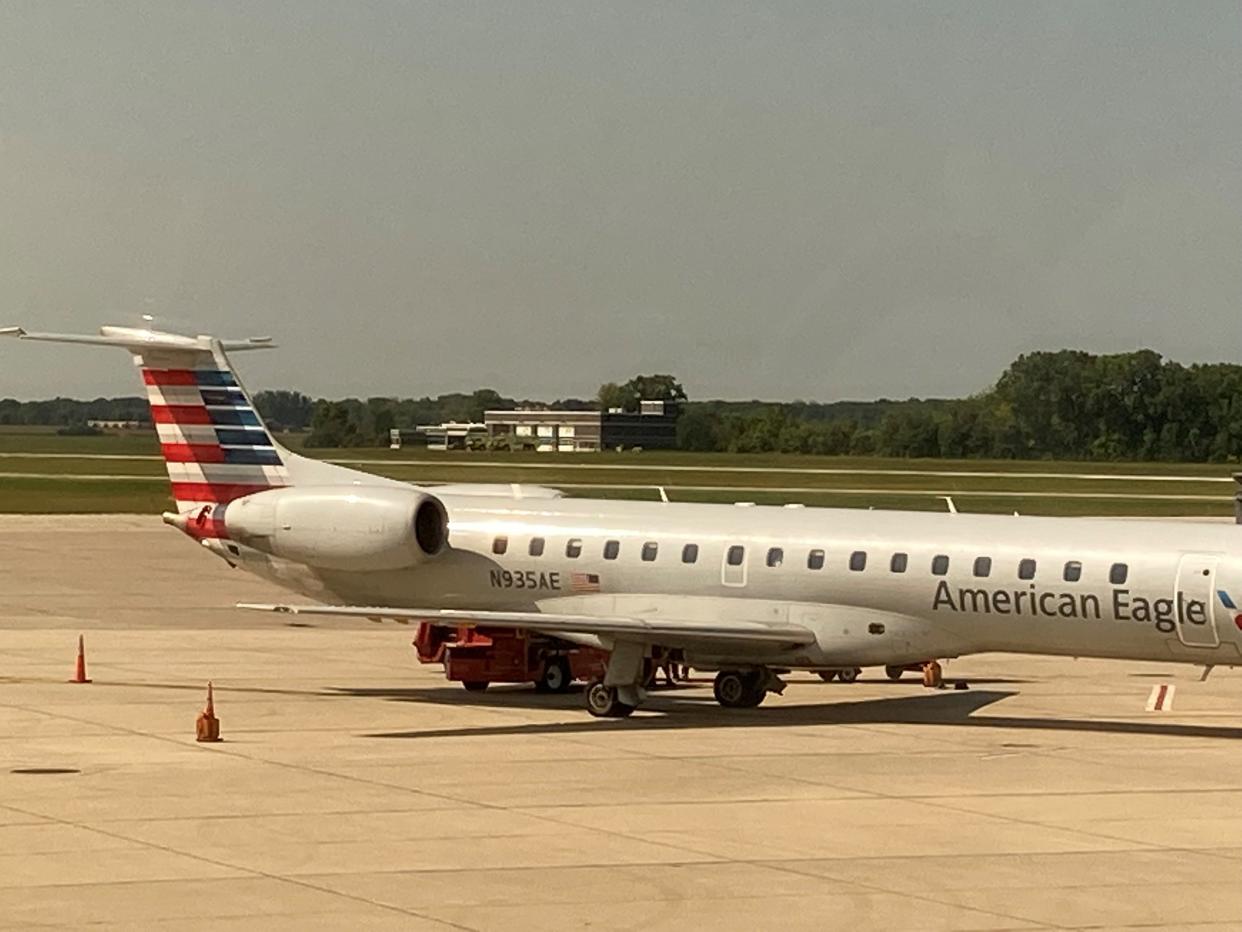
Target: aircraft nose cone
[[1237, 620]]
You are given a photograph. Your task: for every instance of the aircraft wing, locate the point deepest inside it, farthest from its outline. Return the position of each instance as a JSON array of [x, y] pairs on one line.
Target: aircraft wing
[[665, 632]]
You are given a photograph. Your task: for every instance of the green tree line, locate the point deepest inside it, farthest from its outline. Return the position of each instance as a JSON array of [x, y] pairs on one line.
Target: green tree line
[[1066, 405]]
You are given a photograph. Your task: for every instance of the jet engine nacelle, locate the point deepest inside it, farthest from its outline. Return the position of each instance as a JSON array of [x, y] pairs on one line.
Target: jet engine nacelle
[[349, 527]]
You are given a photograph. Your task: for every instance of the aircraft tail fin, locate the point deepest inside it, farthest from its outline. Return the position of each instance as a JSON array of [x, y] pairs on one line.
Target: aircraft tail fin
[[213, 439]]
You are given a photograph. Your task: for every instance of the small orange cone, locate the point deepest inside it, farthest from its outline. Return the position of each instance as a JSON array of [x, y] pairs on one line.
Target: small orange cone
[[207, 726], [79, 673]]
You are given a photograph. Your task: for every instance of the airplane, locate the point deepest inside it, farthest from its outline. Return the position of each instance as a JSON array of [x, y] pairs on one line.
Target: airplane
[[750, 592]]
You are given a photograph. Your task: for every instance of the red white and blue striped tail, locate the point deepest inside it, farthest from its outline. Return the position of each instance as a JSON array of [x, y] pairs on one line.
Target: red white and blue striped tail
[[214, 443], [213, 440]]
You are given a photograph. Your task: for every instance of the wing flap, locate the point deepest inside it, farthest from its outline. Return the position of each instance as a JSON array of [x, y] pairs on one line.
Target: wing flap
[[662, 631]]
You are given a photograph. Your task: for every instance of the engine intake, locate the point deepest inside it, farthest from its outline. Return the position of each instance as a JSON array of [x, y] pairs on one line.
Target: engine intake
[[355, 528]]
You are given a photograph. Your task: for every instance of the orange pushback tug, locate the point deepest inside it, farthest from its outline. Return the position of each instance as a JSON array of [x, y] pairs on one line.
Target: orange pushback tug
[[477, 657]]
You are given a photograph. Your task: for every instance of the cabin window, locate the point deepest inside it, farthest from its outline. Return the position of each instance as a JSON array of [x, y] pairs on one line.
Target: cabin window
[[1026, 569], [983, 566], [1073, 571], [815, 560], [858, 561], [1118, 574], [736, 555], [776, 556], [899, 562], [650, 549], [573, 549], [611, 549], [940, 565], [536, 546], [500, 545], [690, 553]]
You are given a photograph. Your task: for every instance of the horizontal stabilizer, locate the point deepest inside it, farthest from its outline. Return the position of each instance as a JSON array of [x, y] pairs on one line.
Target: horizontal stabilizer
[[134, 338]]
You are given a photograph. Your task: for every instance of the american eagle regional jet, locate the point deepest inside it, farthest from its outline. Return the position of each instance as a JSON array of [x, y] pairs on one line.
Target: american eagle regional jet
[[750, 592]]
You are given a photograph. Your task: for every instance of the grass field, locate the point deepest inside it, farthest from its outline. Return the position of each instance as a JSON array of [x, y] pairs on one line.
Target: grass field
[[42, 472]]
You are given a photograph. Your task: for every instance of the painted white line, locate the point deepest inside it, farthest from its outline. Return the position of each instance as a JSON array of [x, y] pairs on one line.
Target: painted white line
[[751, 489], [1161, 698], [1016, 474]]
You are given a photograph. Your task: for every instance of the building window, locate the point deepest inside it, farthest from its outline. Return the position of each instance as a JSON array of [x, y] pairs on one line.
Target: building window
[[1026, 569], [815, 560], [736, 555], [611, 549], [1073, 571], [690, 553], [898, 563], [776, 556], [500, 545], [536, 546], [940, 565], [1118, 574], [983, 566], [650, 549], [858, 561], [573, 549]]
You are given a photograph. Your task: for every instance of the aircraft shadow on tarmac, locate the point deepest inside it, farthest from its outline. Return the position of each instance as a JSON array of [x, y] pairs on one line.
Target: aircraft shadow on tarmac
[[954, 709]]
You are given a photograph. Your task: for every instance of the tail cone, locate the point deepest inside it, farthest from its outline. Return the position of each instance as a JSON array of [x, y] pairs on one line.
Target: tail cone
[[79, 673], [207, 726]]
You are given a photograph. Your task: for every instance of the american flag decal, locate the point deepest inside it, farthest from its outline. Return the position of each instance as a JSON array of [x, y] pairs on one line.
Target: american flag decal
[[584, 582]]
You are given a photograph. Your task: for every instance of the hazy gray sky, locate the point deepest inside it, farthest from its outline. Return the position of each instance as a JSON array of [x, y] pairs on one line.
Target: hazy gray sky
[[777, 200]]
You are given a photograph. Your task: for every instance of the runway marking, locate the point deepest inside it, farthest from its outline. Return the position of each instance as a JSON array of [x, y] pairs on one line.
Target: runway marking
[[748, 489], [1161, 698]]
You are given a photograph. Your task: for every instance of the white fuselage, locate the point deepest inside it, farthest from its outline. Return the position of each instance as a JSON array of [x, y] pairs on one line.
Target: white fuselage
[[1150, 590]]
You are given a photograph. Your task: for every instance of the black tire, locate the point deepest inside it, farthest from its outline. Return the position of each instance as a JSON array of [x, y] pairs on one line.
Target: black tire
[[827, 675], [849, 674], [602, 701], [895, 673], [736, 690], [556, 677], [475, 686], [757, 694]]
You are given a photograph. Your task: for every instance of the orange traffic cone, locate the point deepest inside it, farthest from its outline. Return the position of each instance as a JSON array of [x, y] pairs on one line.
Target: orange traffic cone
[[79, 673], [207, 726]]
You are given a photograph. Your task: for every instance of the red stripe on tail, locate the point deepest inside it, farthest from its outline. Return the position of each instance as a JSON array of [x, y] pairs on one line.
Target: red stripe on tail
[[192, 453], [180, 414], [169, 377]]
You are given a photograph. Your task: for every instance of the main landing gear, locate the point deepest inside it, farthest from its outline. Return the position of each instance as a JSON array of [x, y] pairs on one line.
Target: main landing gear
[[604, 701], [736, 689], [619, 692]]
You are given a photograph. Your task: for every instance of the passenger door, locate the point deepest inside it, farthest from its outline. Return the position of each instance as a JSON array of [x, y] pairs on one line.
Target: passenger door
[[1196, 579]]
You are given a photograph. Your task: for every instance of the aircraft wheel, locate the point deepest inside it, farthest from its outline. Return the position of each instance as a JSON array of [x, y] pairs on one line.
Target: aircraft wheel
[[895, 673], [827, 675], [556, 676], [736, 690], [602, 701], [475, 686], [849, 674]]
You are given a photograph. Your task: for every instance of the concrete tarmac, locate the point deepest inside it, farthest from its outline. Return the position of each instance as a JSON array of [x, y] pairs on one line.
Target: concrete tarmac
[[357, 789]]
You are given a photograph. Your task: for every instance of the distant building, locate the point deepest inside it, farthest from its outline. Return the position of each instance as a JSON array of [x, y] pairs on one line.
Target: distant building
[[654, 427], [452, 435], [544, 430]]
